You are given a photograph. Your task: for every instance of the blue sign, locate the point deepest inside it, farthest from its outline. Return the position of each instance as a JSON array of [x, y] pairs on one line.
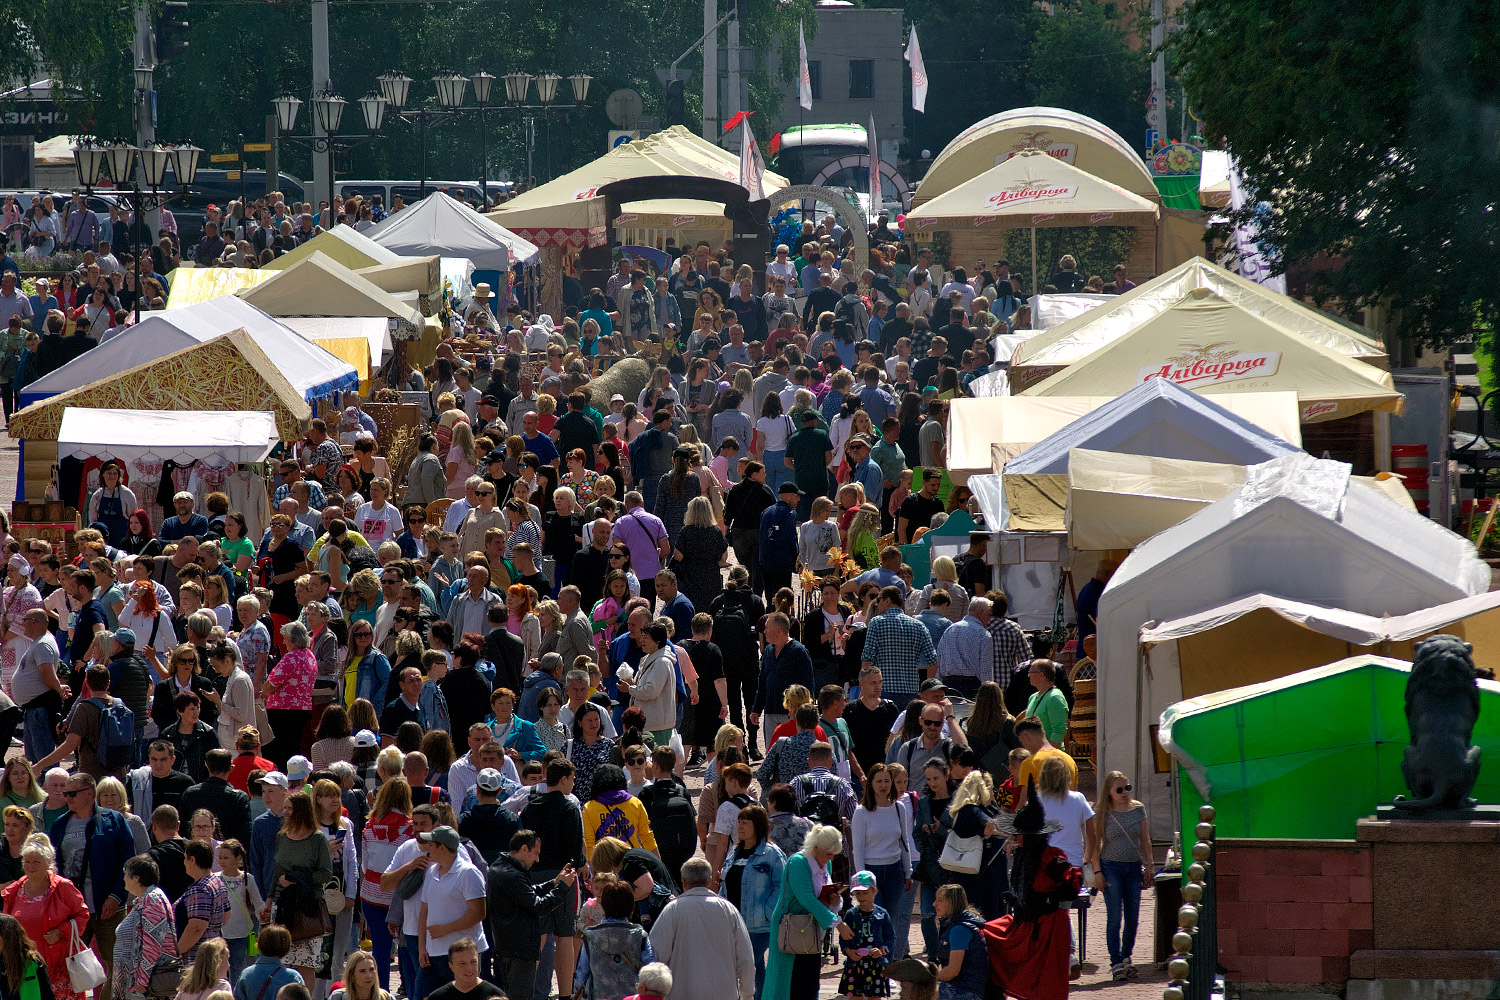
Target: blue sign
[[1151, 137], [621, 140]]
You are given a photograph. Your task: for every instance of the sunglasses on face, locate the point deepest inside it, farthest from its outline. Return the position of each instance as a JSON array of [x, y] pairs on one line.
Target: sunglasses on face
[[1119, 789], [74, 793], [932, 723]]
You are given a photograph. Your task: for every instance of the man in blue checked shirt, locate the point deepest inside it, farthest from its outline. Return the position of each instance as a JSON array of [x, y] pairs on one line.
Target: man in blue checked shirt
[[965, 653], [900, 646]]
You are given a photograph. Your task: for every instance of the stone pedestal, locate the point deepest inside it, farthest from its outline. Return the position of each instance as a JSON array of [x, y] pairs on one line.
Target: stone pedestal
[[1435, 911]]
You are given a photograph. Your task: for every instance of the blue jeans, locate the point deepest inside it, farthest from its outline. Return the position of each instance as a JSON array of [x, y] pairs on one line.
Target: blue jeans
[[239, 956], [928, 895], [890, 892], [407, 959], [381, 943], [435, 974], [759, 942], [37, 733], [776, 470], [1122, 898]]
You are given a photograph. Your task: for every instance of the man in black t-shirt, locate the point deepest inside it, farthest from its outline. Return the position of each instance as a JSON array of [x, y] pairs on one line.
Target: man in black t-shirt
[[917, 510], [870, 718], [463, 960], [973, 571]]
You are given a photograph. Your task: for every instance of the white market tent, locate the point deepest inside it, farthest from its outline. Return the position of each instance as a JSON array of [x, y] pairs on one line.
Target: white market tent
[[221, 436], [321, 286], [440, 225], [1157, 419], [1297, 530], [312, 371], [986, 432], [1163, 419]]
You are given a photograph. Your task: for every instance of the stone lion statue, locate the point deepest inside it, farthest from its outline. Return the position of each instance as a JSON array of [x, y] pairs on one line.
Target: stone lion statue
[[1442, 704]]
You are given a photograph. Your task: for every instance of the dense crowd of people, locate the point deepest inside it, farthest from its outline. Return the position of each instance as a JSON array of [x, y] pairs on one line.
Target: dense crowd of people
[[431, 729]]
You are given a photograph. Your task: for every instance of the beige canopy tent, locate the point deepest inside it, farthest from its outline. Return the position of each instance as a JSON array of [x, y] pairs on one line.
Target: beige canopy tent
[[1218, 347], [1032, 190], [568, 211], [986, 432], [1065, 135], [344, 244], [321, 286], [423, 275], [1118, 501], [1073, 340], [1260, 637]]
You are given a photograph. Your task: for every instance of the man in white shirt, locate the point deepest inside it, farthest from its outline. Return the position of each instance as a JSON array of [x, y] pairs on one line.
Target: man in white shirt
[[13, 301], [453, 900], [576, 687]]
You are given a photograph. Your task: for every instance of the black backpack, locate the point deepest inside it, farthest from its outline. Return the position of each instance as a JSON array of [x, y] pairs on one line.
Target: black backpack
[[732, 632], [672, 819], [820, 807], [361, 557]]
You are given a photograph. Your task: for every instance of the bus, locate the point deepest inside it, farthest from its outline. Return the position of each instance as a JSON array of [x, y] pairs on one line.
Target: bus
[[836, 156], [411, 191]]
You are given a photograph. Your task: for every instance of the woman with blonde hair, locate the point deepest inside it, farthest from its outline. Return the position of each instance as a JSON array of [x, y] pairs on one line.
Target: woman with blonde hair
[[961, 954], [361, 600], [973, 811], [389, 827], [109, 793], [700, 551], [805, 889], [328, 801], [792, 699], [461, 460], [1125, 855], [18, 785], [361, 976], [50, 908], [944, 577], [864, 529], [209, 972]]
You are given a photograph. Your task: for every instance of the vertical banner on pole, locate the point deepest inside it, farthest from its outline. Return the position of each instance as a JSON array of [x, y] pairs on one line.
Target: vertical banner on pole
[[804, 75], [874, 168]]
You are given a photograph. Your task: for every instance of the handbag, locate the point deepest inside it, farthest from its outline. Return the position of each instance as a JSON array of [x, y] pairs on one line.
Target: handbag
[[166, 977], [333, 898], [799, 934], [964, 855], [85, 971], [310, 926]]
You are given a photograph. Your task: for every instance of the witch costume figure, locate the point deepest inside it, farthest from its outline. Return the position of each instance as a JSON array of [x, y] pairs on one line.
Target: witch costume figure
[[1029, 948]]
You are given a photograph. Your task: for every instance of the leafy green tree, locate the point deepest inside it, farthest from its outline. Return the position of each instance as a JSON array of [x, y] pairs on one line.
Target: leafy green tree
[[1080, 60], [1370, 130]]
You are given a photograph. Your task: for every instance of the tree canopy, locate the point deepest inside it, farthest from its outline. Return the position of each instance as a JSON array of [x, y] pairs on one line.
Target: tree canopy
[[1371, 132]]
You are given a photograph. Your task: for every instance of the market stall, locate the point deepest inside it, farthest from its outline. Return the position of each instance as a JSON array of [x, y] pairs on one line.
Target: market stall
[[1298, 529], [1307, 755], [189, 285], [314, 372], [440, 225], [362, 341]]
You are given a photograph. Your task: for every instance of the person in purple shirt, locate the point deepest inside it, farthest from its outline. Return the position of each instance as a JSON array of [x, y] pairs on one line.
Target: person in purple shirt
[[645, 538]]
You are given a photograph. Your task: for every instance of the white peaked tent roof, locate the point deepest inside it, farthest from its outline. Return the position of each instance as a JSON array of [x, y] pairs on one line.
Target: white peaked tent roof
[[312, 371], [373, 329], [1072, 341], [344, 244], [1033, 189], [239, 436], [321, 286], [1161, 419], [1282, 506], [440, 225]]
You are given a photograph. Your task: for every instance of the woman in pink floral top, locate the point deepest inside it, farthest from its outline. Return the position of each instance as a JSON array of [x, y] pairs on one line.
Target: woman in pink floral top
[[288, 691], [19, 597]]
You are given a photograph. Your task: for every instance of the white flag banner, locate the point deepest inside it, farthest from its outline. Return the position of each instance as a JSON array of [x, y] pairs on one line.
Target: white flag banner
[[1252, 260], [918, 73], [874, 169], [752, 167], [804, 76]]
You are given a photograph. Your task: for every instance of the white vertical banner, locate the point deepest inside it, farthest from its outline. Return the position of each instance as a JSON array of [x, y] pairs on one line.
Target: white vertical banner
[[752, 167], [804, 76], [918, 73], [874, 168], [1252, 260]]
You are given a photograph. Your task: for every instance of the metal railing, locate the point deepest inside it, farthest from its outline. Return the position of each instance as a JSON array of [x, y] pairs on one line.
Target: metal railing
[[1193, 969]]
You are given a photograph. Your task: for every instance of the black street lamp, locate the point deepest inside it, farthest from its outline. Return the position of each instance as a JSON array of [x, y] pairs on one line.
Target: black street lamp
[[328, 110], [90, 157]]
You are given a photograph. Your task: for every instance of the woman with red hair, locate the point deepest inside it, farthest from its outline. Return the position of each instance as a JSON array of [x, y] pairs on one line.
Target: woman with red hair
[[140, 539], [154, 635], [520, 619]]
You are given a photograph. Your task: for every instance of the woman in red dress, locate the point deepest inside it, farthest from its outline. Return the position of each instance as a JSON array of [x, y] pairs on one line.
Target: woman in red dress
[[50, 908]]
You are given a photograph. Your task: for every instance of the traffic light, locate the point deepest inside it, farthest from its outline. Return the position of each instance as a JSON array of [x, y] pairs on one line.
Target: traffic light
[[171, 25], [676, 102]]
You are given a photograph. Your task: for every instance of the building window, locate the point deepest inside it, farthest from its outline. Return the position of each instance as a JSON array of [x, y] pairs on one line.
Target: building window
[[815, 78], [861, 79]]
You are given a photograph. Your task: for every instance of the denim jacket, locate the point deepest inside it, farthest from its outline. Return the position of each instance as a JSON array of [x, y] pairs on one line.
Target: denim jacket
[[760, 884], [371, 677]]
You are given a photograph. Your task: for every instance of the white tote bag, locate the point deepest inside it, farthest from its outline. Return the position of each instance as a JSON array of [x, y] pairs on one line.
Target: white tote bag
[[964, 855], [85, 971]]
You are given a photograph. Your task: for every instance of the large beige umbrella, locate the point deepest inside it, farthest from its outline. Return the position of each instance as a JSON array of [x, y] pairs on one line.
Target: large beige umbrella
[[1031, 190]]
